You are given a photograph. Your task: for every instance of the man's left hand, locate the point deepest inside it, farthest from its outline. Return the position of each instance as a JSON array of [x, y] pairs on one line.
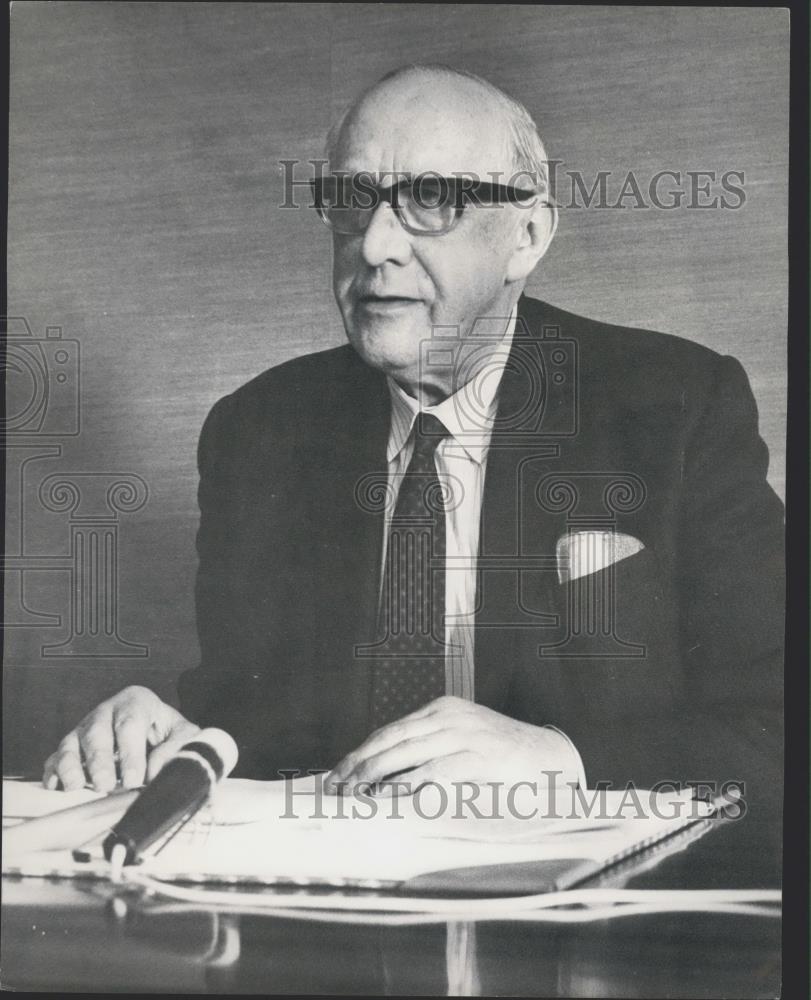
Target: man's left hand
[[451, 739]]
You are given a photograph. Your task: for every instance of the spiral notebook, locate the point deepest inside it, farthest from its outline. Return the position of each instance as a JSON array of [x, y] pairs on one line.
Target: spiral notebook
[[277, 833]]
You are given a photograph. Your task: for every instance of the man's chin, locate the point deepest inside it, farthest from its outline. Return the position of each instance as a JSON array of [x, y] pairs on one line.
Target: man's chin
[[392, 348]]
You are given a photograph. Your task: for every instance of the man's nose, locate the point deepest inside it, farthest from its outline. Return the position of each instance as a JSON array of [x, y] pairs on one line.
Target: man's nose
[[385, 239]]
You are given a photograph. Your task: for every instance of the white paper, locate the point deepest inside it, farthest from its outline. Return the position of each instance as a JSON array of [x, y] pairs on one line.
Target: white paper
[[273, 830]]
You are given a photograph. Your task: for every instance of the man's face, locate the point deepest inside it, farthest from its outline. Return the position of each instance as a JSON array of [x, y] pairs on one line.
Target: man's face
[[393, 287]]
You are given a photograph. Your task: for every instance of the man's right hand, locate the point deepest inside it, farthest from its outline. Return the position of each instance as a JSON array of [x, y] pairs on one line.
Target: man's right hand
[[134, 728]]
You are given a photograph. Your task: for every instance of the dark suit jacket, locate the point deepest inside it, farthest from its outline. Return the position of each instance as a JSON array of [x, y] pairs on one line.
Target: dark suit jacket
[[676, 676]]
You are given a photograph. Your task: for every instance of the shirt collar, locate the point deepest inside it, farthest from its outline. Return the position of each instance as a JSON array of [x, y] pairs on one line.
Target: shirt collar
[[468, 414]]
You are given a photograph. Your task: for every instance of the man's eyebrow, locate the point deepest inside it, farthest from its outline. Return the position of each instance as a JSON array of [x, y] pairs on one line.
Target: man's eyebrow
[[467, 179], [396, 175], [376, 177]]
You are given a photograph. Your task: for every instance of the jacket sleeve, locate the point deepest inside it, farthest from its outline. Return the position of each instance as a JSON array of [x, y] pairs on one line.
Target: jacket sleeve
[[249, 681], [730, 587], [215, 693]]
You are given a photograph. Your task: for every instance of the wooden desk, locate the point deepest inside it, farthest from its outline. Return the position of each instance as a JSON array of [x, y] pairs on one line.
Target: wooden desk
[[73, 936]]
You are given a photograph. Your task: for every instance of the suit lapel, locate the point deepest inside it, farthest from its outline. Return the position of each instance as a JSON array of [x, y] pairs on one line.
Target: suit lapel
[[516, 576], [350, 495]]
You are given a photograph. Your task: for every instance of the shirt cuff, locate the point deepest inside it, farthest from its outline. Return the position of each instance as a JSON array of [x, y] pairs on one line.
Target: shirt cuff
[[576, 760]]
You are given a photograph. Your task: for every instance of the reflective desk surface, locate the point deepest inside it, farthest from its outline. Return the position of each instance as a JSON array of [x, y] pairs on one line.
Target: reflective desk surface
[[87, 936]]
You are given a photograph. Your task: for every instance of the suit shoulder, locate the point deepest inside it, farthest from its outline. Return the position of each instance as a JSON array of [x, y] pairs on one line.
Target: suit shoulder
[[309, 383], [649, 362], [612, 338], [307, 373]]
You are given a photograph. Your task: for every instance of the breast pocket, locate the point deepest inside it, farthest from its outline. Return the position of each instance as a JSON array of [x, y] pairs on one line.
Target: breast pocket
[[623, 611], [616, 644]]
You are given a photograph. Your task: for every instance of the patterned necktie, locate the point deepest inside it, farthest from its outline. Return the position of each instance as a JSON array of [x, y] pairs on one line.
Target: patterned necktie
[[409, 667]]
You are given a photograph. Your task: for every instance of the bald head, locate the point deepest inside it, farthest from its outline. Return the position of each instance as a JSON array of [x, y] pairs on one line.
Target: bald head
[[476, 127]]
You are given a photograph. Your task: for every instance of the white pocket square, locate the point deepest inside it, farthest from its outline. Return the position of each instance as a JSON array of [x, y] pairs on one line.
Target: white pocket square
[[581, 553]]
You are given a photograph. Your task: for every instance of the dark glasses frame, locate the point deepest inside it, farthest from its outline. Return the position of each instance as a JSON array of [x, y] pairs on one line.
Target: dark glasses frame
[[366, 196]]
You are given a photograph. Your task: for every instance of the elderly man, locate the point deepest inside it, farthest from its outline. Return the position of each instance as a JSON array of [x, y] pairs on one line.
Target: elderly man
[[487, 539]]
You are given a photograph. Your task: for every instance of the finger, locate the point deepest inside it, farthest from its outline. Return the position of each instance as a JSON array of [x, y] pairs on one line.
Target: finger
[[50, 779], [130, 730], [405, 756], [166, 750], [168, 724], [440, 770], [67, 764], [98, 746], [410, 727], [448, 703]]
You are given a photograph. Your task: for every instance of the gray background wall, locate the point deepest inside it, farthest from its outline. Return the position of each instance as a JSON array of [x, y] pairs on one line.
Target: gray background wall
[[144, 180]]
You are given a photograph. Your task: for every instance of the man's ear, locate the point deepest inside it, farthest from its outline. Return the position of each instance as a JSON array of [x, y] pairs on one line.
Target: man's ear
[[536, 227]]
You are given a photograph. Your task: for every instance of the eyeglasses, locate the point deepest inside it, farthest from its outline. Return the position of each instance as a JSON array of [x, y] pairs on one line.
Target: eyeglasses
[[425, 205]]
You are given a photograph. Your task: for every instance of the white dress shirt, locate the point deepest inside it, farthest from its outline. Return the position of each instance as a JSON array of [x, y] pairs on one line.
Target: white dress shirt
[[461, 461]]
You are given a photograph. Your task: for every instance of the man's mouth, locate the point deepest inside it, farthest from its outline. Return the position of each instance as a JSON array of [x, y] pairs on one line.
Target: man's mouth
[[386, 305], [386, 301]]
